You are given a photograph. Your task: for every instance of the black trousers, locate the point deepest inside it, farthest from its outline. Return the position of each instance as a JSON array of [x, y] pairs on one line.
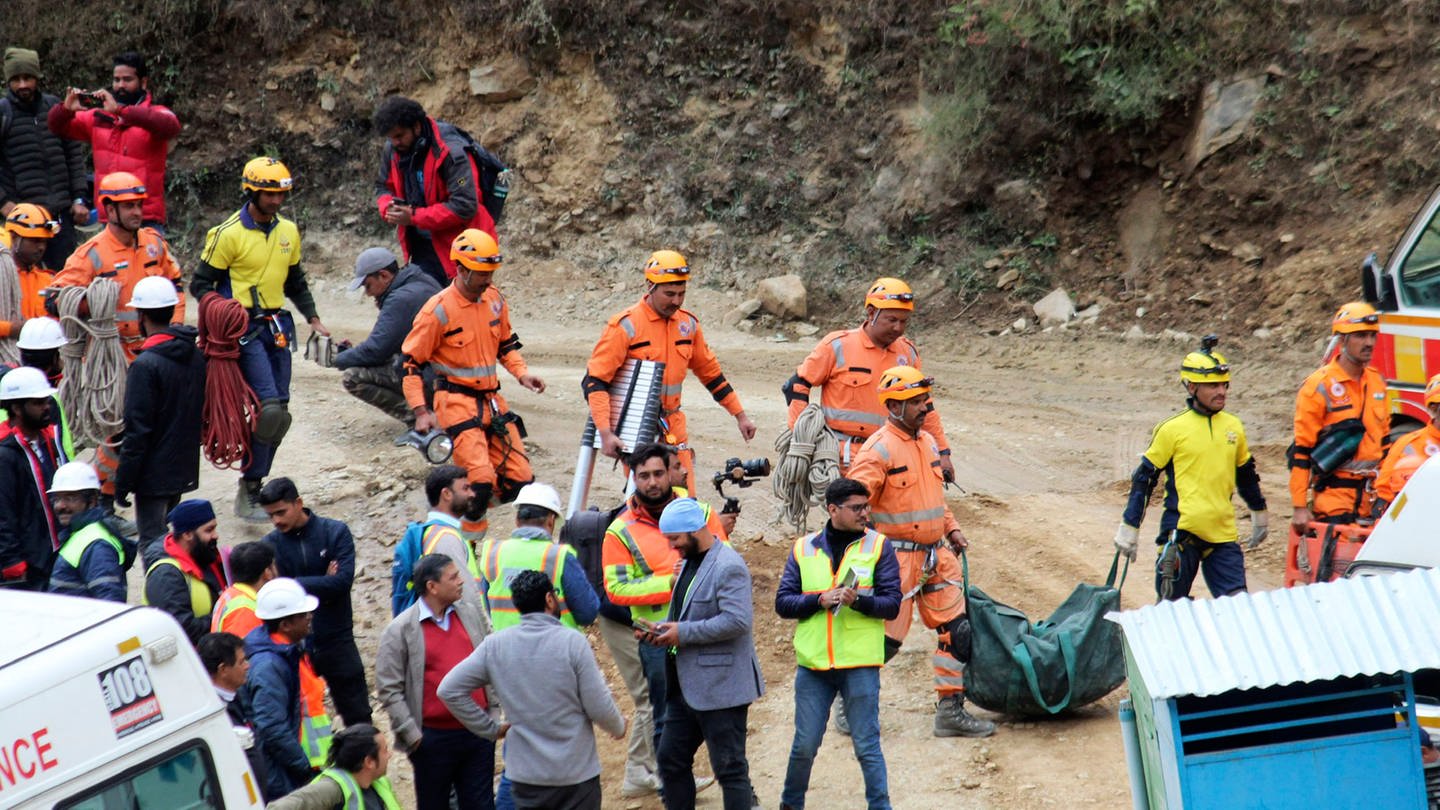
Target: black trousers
[[150, 512], [584, 796], [723, 733], [454, 758], [338, 662]]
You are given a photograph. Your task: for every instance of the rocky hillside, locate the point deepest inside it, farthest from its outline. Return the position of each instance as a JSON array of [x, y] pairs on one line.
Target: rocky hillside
[[1219, 167]]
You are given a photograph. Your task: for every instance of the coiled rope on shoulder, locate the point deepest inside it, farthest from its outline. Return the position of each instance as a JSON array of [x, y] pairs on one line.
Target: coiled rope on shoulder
[[9, 307], [231, 408], [93, 390], [809, 461]]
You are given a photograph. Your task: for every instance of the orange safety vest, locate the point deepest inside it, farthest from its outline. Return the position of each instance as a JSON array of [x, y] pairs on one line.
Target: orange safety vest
[[105, 257], [315, 726], [234, 612], [907, 489], [1327, 397], [677, 342], [465, 343], [847, 365]]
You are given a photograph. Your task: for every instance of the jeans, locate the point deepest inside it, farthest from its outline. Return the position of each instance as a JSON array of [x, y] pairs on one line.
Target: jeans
[[453, 758], [150, 514], [815, 690], [266, 367], [723, 733], [504, 793], [652, 661]]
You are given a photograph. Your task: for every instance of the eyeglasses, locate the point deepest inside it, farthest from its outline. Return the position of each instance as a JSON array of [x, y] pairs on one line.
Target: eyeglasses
[[857, 508]]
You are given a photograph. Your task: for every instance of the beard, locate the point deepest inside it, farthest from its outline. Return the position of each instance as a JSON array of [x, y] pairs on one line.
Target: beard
[[128, 96], [205, 554]]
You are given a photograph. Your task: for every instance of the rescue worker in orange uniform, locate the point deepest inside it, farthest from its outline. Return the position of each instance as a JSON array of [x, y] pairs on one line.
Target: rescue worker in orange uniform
[[1409, 452], [124, 251], [30, 229], [656, 328], [1342, 420], [463, 334], [900, 465], [846, 365]]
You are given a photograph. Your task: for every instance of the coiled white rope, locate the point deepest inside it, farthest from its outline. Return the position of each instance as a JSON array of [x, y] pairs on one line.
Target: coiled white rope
[[809, 461], [93, 390]]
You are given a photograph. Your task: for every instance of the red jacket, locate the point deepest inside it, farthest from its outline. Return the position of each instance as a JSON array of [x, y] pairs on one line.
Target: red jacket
[[443, 215], [135, 141]]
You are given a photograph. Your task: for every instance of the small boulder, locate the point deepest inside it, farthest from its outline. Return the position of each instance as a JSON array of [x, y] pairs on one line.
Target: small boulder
[[783, 296], [1055, 308], [748, 307], [502, 81]]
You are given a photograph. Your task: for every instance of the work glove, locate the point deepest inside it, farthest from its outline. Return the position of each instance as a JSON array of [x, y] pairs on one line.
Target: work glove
[[1126, 538], [1259, 529], [16, 571]]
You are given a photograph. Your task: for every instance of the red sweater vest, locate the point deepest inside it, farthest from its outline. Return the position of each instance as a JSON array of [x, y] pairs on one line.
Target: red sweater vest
[[443, 650]]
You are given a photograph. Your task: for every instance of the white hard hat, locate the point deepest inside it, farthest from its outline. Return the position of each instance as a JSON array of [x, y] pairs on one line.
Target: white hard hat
[[541, 495], [281, 597], [74, 476], [153, 292], [41, 333], [24, 383]]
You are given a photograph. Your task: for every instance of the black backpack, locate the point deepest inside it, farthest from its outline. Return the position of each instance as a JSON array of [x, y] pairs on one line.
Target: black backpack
[[585, 532], [492, 173]]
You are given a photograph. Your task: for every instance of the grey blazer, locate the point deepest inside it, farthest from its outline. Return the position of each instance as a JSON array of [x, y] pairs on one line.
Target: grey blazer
[[400, 666], [715, 658]]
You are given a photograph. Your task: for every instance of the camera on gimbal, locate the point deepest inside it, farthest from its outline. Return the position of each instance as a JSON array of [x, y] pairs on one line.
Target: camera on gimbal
[[742, 474]]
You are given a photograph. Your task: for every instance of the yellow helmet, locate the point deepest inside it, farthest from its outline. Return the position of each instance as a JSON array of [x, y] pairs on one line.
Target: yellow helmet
[[903, 382], [1356, 316], [1432, 390], [30, 220], [890, 293], [476, 250], [266, 174], [666, 267], [1205, 366]]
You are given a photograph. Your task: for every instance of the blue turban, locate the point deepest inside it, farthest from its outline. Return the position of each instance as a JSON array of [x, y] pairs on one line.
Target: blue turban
[[682, 515], [187, 516]]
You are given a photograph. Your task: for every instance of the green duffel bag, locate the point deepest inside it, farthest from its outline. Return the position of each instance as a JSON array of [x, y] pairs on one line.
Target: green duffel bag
[[1035, 669]]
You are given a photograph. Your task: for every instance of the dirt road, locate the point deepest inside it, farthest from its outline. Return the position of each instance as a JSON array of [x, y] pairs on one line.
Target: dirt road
[[1045, 429]]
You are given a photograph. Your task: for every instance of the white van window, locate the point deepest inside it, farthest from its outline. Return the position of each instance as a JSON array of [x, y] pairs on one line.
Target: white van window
[[178, 780]]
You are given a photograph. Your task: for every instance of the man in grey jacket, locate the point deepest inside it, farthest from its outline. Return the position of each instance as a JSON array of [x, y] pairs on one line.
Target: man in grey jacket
[[533, 670], [372, 369], [712, 675], [417, 649]]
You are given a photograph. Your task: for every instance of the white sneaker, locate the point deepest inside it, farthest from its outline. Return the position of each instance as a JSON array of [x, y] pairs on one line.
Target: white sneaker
[[644, 785], [702, 782]]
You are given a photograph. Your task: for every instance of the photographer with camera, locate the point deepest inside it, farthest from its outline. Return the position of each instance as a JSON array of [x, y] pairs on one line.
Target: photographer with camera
[[372, 369], [126, 129]]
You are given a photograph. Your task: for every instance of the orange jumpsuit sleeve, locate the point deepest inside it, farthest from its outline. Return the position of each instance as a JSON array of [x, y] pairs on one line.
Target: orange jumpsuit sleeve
[[509, 349], [418, 348], [707, 369], [869, 469], [606, 359], [78, 271], [712, 524], [1385, 489], [814, 370], [1309, 418]]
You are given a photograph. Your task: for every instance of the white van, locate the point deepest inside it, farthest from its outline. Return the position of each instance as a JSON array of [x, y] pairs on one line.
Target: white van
[[1405, 536], [105, 706]]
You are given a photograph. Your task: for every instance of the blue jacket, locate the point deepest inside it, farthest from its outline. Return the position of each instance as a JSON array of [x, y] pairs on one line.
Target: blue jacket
[[409, 291], [304, 555], [102, 572], [272, 692], [791, 601]]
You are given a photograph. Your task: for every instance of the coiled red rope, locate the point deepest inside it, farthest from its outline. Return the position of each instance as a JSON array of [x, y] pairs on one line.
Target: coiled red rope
[[231, 407]]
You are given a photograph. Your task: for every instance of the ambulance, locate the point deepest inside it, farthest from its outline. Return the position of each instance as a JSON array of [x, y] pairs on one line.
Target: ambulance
[[1406, 291], [106, 706]]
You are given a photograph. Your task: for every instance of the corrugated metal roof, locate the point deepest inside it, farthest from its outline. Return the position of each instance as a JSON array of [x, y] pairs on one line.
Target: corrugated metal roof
[[1361, 626]]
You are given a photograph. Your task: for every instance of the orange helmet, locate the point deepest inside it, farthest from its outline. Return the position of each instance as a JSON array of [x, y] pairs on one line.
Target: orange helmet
[[120, 187], [476, 250], [666, 267], [1432, 390], [890, 293], [902, 383], [1356, 316], [30, 220]]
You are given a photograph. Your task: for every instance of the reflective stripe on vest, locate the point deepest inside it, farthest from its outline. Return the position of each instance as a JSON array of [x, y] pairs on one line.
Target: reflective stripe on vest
[[504, 559], [846, 638], [230, 601], [315, 726], [200, 599], [652, 613], [74, 547], [431, 538], [353, 800]]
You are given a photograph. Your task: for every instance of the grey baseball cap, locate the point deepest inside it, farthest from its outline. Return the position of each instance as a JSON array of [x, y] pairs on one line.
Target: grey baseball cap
[[372, 260]]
